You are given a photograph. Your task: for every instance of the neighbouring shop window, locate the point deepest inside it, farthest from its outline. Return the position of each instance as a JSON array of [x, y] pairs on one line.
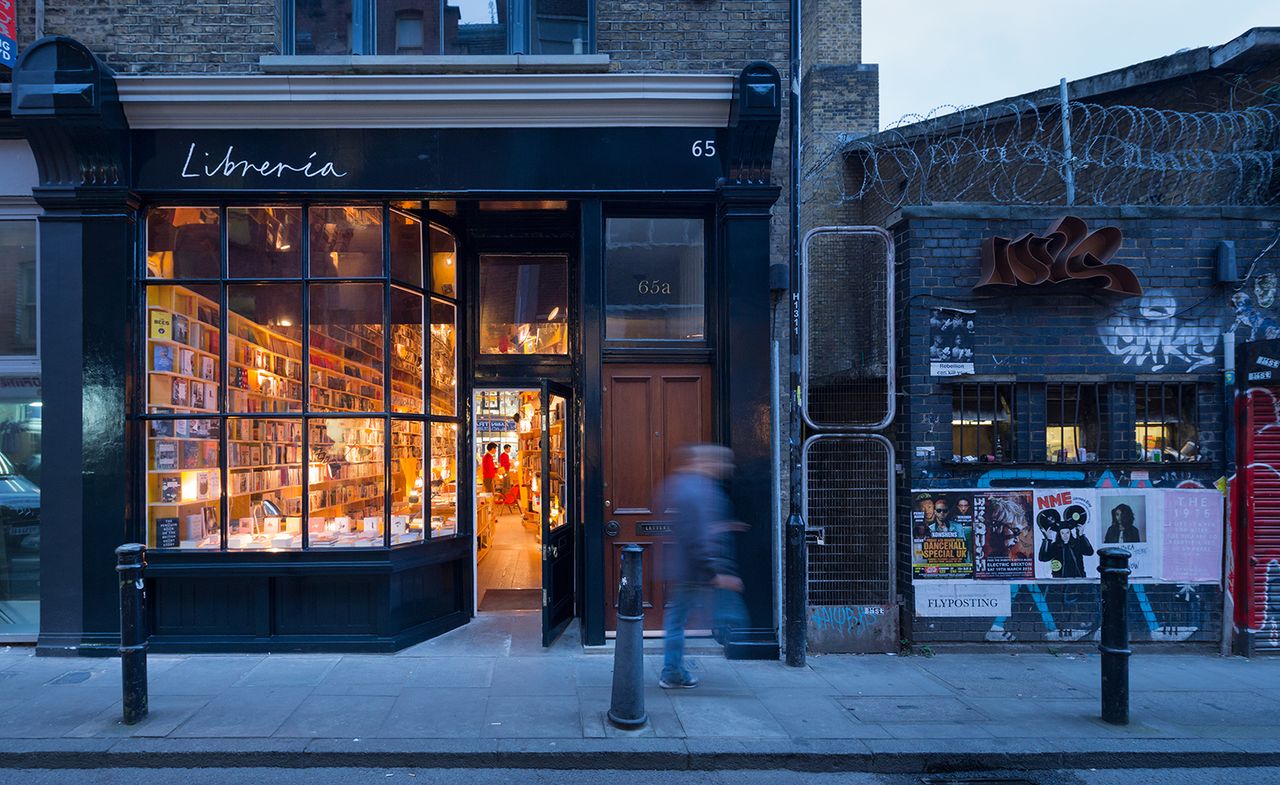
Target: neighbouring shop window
[[434, 27], [524, 304], [1166, 421], [1074, 420], [982, 423], [655, 279], [18, 288], [292, 413]]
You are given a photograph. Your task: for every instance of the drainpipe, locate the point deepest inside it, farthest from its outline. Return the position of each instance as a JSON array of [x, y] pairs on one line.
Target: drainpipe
[[39, 20], [794, 584]]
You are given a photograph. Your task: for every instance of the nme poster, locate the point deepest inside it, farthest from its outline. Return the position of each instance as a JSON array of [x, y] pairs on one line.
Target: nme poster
[[1003, 543], [1128, 519], [942, 535], [1192, 535], [1067, 533], [951, 342]]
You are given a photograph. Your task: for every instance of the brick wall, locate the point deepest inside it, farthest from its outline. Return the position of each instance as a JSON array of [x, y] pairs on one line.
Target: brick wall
[[1170, 334]]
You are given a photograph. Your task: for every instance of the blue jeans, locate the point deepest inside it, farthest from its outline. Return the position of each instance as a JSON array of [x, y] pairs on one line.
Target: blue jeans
[[681, 598]]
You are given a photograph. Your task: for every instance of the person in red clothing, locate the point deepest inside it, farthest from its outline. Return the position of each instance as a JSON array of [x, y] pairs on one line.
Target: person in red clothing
[[489, 466], [504, 460]]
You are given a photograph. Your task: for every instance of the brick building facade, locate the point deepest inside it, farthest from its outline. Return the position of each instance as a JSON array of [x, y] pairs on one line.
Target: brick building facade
[[1047, 402]]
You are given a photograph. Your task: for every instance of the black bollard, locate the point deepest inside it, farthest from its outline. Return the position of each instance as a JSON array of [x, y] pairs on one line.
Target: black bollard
[[1114, 566], [131, 561], [626, 709], [797, 592]]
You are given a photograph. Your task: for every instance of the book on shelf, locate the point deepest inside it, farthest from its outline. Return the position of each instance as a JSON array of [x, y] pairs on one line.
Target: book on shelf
[[202, 486], [170, 489], [166, 455], [161, 427], [191, 455], [186, 362], [178, 392], [197, 395], [180, 328], [167, 533], [161, 325], [207, 368], [162, 358]]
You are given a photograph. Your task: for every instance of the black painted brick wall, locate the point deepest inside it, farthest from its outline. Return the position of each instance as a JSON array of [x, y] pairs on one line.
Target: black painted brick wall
[[1054, 335]]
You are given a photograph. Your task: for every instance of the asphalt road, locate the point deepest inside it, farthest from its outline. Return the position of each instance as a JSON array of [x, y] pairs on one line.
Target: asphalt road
[[1242, 776]]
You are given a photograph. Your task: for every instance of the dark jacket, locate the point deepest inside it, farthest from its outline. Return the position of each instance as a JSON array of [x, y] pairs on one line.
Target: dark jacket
[[1118, 533], [697, 507], [1070, 555]]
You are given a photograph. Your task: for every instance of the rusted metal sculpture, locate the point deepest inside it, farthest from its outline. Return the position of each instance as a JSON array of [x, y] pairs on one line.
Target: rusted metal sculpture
[[1067, 252]]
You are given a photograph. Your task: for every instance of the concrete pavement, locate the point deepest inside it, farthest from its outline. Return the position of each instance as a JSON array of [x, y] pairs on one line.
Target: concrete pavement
[[489, 695]]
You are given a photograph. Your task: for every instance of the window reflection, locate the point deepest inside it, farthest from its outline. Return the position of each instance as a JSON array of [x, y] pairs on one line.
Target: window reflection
[[559, 27], [524, 304], [406, 351], [444, 263], [18, 290], [20, 457], [264, 348], [322, 27], [346, 242], [655, 275], [183, 242], [475, 27], [346, 347], [406, 248], [264, 242], [444, 357]]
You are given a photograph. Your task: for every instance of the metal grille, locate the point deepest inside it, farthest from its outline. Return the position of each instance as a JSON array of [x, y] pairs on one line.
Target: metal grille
[[848, 500], [1167, 421], [1075, 422], [985, 425], [847, 342]]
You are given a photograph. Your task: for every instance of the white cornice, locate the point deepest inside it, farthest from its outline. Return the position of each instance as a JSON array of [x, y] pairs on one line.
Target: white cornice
[[426, 101]]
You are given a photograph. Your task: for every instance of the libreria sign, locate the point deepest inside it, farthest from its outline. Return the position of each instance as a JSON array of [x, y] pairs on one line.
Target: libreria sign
[[230, 166]]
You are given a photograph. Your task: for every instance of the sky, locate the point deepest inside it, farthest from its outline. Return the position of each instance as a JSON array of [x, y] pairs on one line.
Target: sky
[[970, 52]]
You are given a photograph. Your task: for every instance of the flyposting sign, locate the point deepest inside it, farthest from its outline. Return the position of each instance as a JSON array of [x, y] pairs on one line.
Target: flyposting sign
[[8, 33]]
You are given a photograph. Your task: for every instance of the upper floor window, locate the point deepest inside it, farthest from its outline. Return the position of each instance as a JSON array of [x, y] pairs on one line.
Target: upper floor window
[[439, 27]]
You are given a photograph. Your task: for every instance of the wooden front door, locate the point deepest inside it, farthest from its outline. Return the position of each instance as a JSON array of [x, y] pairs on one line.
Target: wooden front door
[[649, 411]]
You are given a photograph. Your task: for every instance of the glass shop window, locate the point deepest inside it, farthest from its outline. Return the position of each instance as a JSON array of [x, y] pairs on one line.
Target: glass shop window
[[560, 27], [1166, 421], [1074, 420], [982, 423], [18, 322], [655, 279], [270, 399], [524, 304]]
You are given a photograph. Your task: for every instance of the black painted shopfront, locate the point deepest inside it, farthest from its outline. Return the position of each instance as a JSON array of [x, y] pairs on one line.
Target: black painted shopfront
[[246, 329]]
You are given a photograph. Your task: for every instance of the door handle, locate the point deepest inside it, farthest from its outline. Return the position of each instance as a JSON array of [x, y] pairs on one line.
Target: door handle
[[612, 528], [607, 504]]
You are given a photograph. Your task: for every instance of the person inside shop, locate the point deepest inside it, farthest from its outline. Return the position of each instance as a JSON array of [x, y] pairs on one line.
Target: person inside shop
[[504, 460], [697, 558], [489, 466]]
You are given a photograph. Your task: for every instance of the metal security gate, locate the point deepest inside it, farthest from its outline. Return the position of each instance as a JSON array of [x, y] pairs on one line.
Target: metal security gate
[[848, 491], [847, 393], [1258, 589]]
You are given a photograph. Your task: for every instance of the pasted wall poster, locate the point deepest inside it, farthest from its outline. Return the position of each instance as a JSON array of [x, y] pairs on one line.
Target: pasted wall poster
[[1066, 534], [1003, 542], [951, 342], [1192, 536], [1131, 520], [942, 535]]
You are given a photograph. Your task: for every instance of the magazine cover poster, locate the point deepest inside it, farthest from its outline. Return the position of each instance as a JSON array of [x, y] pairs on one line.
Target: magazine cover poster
[[1067, 533], [942, 534], [1127, 521], [1003, 543]]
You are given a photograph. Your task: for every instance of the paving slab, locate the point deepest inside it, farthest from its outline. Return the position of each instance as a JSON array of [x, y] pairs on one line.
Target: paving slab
[[815, 714], [451, 671], [284, 670], [203, 675], [710, 715], [164, 714], [926, 710], [533, 716], [336, 716], [247, 712], [435, 713]]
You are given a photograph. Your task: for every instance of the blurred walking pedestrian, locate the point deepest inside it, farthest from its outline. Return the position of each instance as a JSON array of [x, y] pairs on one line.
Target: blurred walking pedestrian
[[700, 555]]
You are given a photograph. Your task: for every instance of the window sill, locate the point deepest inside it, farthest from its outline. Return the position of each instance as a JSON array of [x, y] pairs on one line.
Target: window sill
[[434, 64]]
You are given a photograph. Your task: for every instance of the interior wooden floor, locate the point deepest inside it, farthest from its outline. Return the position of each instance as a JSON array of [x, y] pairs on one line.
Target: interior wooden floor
[[513, 562]]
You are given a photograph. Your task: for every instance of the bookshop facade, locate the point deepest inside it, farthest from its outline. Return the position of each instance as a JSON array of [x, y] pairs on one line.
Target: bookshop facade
[[317, 349]]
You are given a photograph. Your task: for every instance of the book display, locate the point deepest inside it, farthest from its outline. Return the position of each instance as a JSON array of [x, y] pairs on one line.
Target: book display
[[253, 462]]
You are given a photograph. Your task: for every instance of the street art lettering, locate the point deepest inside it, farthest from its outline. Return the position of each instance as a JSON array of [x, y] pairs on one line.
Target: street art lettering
[[1160, 336], [846, 620], [1259, 324], [1271, 605], [1067, 252]]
